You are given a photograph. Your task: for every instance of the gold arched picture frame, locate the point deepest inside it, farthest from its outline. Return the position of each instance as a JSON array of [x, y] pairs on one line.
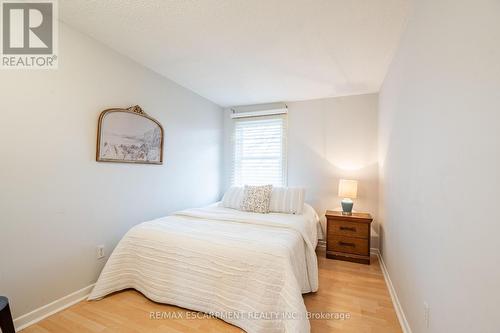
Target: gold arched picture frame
[[129, 136]]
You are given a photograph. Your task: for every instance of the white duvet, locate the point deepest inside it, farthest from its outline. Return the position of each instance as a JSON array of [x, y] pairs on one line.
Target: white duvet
[[248, 269]]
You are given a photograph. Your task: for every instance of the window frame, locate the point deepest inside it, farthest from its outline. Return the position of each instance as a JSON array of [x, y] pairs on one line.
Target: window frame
[[284, 145]]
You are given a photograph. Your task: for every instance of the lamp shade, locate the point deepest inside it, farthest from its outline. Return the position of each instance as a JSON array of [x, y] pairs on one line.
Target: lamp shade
[[348, 188]]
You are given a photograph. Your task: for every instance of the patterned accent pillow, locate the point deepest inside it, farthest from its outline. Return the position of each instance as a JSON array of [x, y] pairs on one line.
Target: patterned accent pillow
[[257, 199]]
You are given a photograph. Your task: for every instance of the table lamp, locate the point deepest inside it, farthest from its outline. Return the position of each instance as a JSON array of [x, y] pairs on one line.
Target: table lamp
[[348, 190]]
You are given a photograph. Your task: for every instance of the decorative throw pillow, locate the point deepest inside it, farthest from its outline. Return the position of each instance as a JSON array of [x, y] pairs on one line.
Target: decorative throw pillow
[[257, 198], [289, 200], [233, 197]]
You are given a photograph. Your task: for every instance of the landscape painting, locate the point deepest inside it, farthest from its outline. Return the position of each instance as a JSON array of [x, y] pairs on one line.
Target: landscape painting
[[129, 136]]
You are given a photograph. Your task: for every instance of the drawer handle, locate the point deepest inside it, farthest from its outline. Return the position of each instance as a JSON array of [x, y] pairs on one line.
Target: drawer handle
[[347, 244], [348, 229]]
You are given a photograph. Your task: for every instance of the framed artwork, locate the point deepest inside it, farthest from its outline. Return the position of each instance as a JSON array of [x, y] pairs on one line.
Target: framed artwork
[[129, 136]]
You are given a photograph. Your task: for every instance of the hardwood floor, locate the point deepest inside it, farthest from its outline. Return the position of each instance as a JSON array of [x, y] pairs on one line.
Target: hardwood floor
[[345, 287], [354, 288]]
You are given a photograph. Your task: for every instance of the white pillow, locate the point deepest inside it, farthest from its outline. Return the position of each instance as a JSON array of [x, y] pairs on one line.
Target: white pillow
[[288, 200], [233, 197]]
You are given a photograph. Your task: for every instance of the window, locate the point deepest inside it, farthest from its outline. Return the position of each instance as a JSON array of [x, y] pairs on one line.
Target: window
[[259, 151]]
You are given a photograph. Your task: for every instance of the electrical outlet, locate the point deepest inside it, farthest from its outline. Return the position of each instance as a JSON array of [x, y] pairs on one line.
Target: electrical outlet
[[427, 313], [100, 252]]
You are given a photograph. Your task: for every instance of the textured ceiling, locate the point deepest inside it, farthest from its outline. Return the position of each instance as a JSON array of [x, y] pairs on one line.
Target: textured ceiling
[[237, 52]]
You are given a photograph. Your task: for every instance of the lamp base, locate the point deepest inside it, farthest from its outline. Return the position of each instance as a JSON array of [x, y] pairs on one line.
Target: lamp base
[[347, 206]]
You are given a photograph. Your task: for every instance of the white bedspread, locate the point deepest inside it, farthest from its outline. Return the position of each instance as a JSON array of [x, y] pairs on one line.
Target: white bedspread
[[249, 269]]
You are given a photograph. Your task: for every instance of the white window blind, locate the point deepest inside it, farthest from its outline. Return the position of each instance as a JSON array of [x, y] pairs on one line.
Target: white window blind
[[259, 151]]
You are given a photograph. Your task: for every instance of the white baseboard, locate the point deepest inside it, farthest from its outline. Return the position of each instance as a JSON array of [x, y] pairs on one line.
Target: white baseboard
[[64, 302], [394, 296], [49, 309], [321, 243]]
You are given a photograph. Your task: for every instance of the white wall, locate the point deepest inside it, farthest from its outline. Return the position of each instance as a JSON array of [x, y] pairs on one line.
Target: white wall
[[440, 166], [57, 204], [330, 139]]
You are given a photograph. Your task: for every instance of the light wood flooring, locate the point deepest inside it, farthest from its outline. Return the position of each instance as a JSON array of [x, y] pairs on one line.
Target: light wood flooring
[[345, 287]]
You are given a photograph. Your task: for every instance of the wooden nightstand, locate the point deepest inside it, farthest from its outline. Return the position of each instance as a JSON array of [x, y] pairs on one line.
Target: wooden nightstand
[[348, 236]]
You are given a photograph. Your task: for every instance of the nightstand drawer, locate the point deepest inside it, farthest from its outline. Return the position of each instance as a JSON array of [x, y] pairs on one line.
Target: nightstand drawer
[[348, 245], [349, 229]]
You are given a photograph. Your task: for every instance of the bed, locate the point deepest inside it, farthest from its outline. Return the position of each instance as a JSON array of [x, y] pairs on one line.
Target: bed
[[246, 268]]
